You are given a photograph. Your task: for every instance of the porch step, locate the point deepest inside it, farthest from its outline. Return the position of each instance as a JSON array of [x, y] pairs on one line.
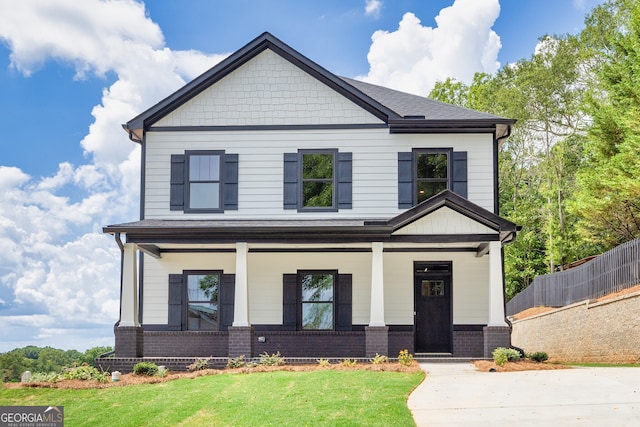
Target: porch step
[[442, 358], [432, 355]]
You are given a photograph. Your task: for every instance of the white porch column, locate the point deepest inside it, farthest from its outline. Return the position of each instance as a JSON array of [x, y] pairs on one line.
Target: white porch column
[[129, 297], [376, 316], [496, 291], [241, 298]]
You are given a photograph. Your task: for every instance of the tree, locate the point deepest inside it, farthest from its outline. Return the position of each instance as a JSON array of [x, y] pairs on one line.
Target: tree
[[608, 199]]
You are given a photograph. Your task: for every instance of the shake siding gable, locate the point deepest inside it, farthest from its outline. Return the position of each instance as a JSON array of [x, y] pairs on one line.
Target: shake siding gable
[[267, 90]]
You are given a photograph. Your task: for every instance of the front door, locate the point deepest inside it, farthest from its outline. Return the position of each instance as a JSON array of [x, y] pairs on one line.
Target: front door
[[433, 314]]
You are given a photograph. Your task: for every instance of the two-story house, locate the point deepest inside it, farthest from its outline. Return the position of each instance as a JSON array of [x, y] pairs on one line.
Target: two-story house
[[284, 208]]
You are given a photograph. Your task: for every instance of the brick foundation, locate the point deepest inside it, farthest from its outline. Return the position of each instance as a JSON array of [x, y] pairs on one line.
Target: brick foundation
[[468, 344], [186, 344], [129, 341], [494, 337], [376, 340], [314, 344], [240, 341], [400, 341]]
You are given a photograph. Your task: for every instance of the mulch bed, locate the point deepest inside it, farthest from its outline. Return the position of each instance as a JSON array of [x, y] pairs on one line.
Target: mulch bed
[[132, 379], [524, 365]]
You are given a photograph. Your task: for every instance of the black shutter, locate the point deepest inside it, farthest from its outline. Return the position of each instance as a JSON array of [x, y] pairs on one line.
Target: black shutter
[[460, 173], [290, 180], [344, 303], [344, 181], [176, 301], [289, 302], [230, 182], [226, 299], [177, 183], [405, 180]]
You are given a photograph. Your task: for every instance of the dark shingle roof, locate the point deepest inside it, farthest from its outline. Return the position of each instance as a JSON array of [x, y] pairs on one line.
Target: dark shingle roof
[[406, 104], [403, 112]]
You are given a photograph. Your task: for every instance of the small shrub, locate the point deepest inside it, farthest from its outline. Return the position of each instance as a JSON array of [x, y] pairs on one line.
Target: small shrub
[[379, 360], [198, 365], [145, 368], [538, 356], [324, 362], [85, 372], [349, 362], [501, 355], [271, 360], [45, 377], [405, 358], [236, 362]]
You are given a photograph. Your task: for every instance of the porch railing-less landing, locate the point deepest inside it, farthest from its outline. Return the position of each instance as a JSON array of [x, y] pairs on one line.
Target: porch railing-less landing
[[610, 272]]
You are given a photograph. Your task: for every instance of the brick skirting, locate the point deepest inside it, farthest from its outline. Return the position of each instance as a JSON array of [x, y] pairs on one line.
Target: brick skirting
[[134, 343]]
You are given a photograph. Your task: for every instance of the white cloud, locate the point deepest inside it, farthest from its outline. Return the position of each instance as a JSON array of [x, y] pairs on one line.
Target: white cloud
[[414, 57], [372, 7], [55, 260]]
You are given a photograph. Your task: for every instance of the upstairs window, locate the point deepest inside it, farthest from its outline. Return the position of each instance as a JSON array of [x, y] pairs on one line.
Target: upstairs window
[[204, 181], [317, 179], [432, 173], [425, 172]]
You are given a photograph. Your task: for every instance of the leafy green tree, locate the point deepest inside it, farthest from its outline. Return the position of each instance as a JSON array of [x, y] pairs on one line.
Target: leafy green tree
[[13, 364], [91, 354], [608, 199]]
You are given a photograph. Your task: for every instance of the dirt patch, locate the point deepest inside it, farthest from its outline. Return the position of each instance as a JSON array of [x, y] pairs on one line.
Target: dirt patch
[[532, 312], [539, 310], [132, 379], [623, 292], [524, 365]]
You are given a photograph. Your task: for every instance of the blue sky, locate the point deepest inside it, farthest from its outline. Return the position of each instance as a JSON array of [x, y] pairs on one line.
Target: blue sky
[[71, 72]]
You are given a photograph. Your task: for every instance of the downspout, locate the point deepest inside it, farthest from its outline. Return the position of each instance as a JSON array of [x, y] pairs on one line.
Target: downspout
[[121, 246]]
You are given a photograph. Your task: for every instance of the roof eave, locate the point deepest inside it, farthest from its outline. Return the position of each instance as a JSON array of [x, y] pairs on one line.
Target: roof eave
[[501, 127]]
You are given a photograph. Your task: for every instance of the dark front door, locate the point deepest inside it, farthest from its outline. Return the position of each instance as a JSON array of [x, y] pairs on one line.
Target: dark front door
[[433, 313]]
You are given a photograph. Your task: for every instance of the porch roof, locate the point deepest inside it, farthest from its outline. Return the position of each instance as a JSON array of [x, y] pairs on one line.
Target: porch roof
[[156, 231]]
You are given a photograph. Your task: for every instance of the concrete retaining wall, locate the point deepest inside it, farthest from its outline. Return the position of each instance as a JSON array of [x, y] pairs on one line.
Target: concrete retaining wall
[[589, 331]]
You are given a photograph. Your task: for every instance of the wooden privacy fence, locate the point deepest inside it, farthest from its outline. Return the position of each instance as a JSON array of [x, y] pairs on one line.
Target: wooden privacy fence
[[612, 271]]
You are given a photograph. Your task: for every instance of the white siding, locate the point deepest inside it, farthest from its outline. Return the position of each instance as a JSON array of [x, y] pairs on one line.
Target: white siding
[[156, 278], [445, 221], [267, 90], [470, 285], [375, 168], [265, 270]]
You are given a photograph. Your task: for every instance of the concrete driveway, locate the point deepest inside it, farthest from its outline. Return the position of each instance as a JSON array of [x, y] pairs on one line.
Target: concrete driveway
[[455, 394]]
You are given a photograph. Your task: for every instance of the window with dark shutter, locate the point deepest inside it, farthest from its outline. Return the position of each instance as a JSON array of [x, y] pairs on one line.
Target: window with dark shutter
[[201, 300], [317, 180], [423, 173], [317, 300], [204, 181], [176, 297]]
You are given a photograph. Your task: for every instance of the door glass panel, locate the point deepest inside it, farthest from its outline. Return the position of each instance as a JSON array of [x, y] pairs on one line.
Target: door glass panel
[[433, 288]]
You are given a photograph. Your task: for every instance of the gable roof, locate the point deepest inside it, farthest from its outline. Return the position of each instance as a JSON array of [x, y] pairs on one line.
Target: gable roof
[[458, 204], [403, 112]]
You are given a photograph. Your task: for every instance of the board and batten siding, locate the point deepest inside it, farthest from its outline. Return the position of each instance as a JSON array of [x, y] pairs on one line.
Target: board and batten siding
[[261, 168], [267, 90], [265, 273]]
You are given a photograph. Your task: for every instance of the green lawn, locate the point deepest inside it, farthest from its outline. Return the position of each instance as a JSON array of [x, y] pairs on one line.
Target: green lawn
[[336, 398]]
